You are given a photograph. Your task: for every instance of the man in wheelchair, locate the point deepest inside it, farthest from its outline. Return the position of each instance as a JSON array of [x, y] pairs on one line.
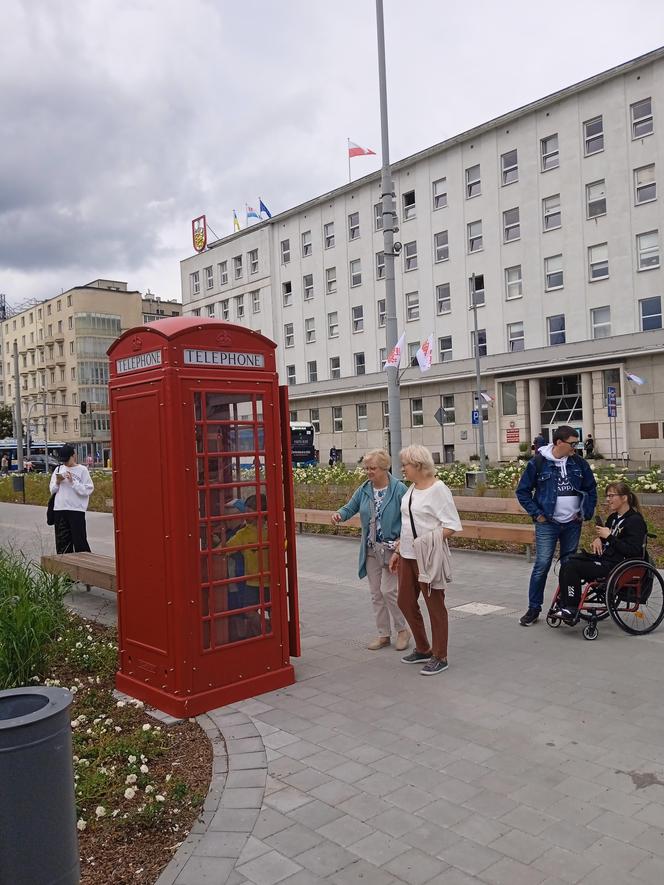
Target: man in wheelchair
[[622, 538]]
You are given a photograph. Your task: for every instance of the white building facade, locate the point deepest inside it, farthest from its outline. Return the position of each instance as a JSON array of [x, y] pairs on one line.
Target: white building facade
[[552, 213]]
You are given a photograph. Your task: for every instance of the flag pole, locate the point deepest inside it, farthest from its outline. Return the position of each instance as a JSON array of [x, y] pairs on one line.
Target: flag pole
[[348, 152]]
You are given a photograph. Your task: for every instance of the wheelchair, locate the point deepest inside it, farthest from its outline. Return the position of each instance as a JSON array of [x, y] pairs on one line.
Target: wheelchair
[[632, 595]]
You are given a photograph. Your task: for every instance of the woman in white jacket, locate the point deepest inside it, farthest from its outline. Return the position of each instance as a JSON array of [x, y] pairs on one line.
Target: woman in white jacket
[[72, 486], [426, 507]]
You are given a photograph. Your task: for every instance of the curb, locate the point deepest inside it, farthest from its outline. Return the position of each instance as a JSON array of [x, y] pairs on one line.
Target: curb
[[233, 802]]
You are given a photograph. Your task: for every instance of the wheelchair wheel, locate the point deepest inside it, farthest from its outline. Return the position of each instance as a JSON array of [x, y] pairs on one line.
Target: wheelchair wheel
[[635, 597], [590, 632], [553, 621]]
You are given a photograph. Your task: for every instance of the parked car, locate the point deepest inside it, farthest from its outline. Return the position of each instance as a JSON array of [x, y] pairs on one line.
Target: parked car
[[39, 463]]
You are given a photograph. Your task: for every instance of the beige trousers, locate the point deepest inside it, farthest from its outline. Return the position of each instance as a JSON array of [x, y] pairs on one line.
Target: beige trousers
[[383, 588]]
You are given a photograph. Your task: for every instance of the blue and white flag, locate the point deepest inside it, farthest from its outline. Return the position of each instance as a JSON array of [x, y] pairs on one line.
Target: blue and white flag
[[251, 212], [635, 379], [262, 208]]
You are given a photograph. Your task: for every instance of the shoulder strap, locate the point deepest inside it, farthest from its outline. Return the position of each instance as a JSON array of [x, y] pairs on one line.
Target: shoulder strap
[[410, 511], [539, 462]]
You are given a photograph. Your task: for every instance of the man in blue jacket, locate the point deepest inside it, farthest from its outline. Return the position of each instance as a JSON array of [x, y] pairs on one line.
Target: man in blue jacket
[[559, 491]]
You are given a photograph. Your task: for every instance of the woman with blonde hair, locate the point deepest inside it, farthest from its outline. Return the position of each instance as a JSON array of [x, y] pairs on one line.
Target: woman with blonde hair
[[422, 558], [378, 501]]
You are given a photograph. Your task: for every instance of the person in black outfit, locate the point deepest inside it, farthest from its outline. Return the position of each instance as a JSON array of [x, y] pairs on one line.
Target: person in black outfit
[[589, 446], [623, 537]]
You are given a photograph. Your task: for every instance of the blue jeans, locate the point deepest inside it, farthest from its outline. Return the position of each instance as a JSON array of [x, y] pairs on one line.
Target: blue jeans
[[547, 535]]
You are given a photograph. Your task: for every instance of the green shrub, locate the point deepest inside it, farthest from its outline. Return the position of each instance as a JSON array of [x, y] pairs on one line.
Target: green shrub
[[31, 613]]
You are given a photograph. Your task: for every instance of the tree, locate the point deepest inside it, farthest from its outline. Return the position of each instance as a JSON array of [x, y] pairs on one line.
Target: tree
[[6, 422]]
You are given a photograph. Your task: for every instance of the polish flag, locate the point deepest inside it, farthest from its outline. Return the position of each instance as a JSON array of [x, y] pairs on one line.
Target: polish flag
[[354, 150], [394, 359]]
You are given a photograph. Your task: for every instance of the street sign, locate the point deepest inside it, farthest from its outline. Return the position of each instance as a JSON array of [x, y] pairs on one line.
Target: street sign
[[476, 417], [611, 402], [440, 416]]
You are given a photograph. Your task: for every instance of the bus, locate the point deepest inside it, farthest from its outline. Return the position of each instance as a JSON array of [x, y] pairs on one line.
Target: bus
[[37, 458], [303, 449]]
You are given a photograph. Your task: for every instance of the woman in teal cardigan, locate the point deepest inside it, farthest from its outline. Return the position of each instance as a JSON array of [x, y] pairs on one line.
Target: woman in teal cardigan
[[378, 501]]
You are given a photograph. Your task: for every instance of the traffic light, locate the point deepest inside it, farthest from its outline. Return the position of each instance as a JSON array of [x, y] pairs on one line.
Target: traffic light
[[84, 407]]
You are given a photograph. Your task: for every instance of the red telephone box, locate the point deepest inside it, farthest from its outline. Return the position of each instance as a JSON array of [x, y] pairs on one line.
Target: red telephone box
[[204, 529]]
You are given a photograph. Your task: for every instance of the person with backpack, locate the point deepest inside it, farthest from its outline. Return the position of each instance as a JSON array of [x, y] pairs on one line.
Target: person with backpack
[[558, 490]]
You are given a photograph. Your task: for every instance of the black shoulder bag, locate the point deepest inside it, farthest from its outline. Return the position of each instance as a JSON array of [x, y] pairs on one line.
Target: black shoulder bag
[[50, 508]]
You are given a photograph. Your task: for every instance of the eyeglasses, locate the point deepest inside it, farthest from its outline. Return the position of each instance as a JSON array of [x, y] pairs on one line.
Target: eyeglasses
[[613, 495], [571, 443]]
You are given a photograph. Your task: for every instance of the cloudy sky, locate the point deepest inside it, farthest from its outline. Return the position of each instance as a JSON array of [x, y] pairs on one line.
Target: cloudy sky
[[121, 120]]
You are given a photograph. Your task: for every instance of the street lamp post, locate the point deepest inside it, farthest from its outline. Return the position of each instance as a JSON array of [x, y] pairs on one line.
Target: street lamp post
[[481, 477], [389, 218]]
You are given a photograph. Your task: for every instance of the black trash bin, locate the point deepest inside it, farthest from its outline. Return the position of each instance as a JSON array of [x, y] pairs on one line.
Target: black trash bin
[[18, 482], [38, 841]]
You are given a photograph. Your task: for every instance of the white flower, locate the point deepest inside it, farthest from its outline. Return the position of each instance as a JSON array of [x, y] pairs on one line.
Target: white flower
[[131, 779], [81, 825], [129, 793], [160, 798], [100, 811], [144, 758], [117, 728], [131, 759], [120, 704], [168, 777], [149, 789], [144, 769], [147, 727]]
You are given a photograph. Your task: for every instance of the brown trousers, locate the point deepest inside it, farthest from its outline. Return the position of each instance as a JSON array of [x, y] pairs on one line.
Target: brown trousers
[[409, 591]]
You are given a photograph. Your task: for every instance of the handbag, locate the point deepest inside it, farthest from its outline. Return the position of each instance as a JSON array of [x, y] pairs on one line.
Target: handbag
[[50, 509]]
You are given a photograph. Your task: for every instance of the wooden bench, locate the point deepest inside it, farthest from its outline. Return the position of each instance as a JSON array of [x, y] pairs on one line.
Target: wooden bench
[[91, 569], [509, 532]]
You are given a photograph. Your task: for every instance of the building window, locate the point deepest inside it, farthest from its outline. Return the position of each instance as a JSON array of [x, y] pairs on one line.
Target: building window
[[256, 301], [595, 199], [312, 371], [593, 135], [380, 265], [357, 313], [253, 261], [314, 418], [239, 307], [410, 256], [309, 330], [237, 267], [354, 226], [439, 189], [306, 243], [553, 272], [226, 309], [508, 402], [70, 325], [378, 216], [210, 310], [611, 378], [443, 299], [645, 186], [223, 273], [651, 313], [647, 249], [413, 347], [382, 357], [476, 290], [308, 286], [555, 326], [292, 415], [473, 182], [335, 367], [441, 247], [642, 123], [382, 314], [481, 342], [337, 419], [449, 410], [290, 375], [287, 293], [445, 349], [209, 278], [195, 313], [195, 283], [386, 414], [412, 306], [409, 207], [416, 413], [511, 225], [600, 322], [513, 282], [358, 361], [551, 212], [361, 416], [356, 272], [550, 157], [333, 324], [515, 338], [289, 336], [598, 262], [509, 165], [285, 251], [475, 236], [331, 280], [328, 235]]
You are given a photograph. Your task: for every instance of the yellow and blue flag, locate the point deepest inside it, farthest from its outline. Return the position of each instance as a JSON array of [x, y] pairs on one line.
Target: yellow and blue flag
[[236, 223]]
